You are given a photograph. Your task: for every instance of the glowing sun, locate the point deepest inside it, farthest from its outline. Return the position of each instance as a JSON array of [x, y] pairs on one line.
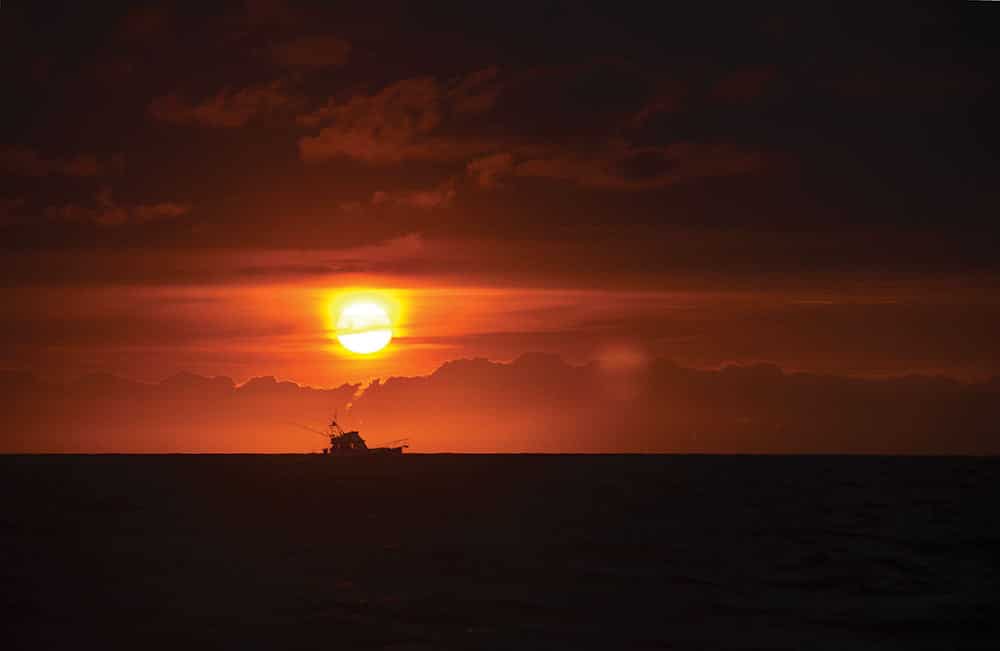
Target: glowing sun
[[364, 328]]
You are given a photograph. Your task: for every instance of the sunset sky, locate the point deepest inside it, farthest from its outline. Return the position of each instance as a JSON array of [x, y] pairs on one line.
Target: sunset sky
[[193, 187]]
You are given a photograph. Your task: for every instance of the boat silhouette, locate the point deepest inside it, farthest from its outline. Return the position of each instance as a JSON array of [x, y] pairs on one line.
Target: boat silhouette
[[349, 443]]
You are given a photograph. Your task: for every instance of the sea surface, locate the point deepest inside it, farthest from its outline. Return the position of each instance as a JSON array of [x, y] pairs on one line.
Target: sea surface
[[499, 552]]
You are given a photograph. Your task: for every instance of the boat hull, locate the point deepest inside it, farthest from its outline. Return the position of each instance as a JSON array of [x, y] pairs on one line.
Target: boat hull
[[371, 452]]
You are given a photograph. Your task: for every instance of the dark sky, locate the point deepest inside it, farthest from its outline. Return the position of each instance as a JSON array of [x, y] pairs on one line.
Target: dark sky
[[184, 183]]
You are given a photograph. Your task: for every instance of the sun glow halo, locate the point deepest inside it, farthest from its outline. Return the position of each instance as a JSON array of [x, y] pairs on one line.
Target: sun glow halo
[[364, 327]]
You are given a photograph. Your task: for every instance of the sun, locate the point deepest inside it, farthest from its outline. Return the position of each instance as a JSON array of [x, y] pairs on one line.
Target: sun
[[364, 327]]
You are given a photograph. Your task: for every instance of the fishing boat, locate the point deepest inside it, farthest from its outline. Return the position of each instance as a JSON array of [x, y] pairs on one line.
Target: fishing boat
[[350, 443]]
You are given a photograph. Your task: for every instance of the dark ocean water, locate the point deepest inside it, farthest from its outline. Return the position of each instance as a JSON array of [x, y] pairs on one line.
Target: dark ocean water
[[500, 552]]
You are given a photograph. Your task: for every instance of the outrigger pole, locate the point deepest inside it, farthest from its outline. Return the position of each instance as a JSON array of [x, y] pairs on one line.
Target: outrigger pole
[[309, 429]]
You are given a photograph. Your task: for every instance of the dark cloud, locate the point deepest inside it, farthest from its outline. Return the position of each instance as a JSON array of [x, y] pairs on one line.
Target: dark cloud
[[269, 13], [900, 83], [11, 210], [107, 211], [25, 161], [312, 52], [672, 102], [226, 109], [400, 122], [415, 119], [625, 167], [390, 125], [145, 23], [476, 92], [745, 85]]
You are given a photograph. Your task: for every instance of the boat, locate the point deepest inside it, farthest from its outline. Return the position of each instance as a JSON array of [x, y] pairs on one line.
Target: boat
[[350, 444]]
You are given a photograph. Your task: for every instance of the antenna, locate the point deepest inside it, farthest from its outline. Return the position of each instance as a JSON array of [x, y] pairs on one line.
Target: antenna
[[335, 425]]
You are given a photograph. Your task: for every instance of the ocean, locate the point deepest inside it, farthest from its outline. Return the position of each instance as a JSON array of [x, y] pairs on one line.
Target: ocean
[[500, 552]]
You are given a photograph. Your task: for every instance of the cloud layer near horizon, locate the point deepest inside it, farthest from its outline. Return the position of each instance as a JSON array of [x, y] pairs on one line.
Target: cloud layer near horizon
[[538, 403]]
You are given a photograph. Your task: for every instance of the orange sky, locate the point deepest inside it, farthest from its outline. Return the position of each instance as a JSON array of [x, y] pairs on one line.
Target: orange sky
[[187, 187], [837, 325]]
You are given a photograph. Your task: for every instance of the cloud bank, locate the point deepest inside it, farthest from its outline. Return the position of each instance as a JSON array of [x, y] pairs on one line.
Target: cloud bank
[[537, 403]]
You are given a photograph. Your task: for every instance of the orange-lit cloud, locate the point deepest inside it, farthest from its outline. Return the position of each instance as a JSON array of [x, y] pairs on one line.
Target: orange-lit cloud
[[399, 122], [436, 197], [488, 170]]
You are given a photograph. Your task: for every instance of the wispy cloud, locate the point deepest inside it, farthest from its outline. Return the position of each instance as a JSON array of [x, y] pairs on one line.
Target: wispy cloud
[[400, 122], [437, 197], [626, 167], [107, 211], [228, 108], [25, 161], [488, 170]]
